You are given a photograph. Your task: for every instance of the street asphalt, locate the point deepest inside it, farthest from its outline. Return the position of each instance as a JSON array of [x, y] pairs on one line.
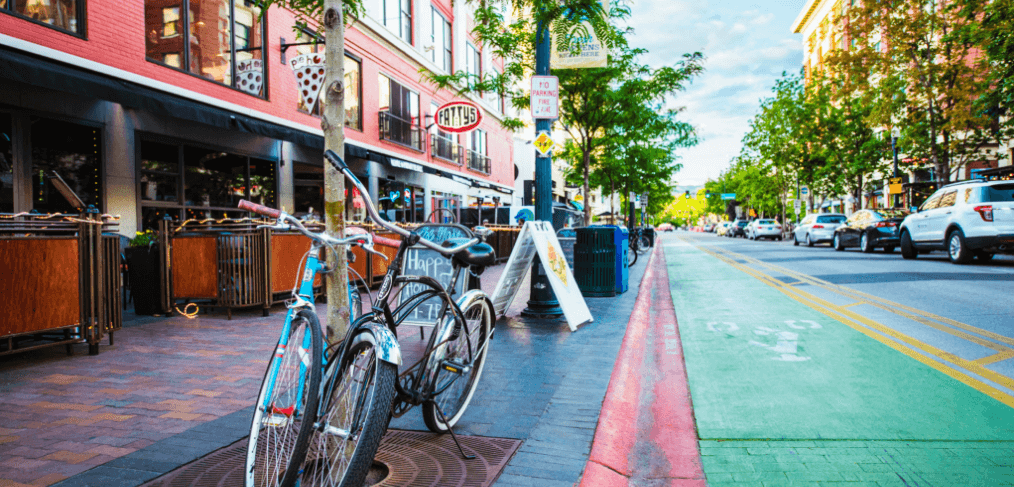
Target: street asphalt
[[808, 365]]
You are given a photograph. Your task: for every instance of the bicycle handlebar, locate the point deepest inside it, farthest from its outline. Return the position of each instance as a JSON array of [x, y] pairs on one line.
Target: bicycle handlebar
[[259, 209], [343, 168]]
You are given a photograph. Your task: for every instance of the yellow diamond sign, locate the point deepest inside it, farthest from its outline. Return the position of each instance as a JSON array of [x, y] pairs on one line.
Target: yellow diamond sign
[[544, 143]]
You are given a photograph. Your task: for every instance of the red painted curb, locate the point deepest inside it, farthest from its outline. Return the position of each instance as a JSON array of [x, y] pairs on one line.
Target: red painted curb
[[646, 429]]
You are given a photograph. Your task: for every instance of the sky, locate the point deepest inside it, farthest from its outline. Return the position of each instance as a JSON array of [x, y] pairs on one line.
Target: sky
[[747, 44]]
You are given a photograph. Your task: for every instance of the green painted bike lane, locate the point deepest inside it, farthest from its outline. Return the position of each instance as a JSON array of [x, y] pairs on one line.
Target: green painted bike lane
[[785, 395]]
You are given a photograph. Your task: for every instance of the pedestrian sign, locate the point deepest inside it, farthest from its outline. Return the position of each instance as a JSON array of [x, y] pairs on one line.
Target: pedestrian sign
[[544, 143]]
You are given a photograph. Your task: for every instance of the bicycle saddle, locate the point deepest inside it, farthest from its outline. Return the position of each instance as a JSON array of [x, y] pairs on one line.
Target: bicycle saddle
[[480, 254]]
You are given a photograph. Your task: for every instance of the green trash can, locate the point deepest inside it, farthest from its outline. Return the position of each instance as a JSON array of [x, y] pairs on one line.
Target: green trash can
[[595, 261]]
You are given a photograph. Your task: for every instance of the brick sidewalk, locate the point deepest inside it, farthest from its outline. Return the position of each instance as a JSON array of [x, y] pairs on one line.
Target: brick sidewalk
[[173, 389]]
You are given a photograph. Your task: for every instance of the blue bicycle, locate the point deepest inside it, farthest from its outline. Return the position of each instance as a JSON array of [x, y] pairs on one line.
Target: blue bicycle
[[359, 372]]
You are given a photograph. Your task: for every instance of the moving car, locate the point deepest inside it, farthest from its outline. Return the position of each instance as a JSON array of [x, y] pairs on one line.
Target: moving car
[[737, 228], [869, 229], [665, 227], [967, 219], [764, 228], [722, 228], [817, 228]]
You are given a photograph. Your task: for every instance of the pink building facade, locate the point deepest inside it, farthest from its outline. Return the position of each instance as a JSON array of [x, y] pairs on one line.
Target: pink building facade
[[183, 107]]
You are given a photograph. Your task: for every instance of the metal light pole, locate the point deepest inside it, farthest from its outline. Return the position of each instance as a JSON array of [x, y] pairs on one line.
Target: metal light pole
[[894, 148], [542, 302]]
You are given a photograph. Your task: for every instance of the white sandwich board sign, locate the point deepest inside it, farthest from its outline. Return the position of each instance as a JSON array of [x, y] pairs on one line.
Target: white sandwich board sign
[[539, 238]]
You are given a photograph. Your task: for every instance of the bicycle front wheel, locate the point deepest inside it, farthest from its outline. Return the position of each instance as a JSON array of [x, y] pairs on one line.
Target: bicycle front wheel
[[632, 255], [458, 366], [643, 243], [286, 407], [358, 396]]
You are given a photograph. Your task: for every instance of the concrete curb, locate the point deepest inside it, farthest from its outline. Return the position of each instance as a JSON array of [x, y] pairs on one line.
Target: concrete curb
[[646, 429]]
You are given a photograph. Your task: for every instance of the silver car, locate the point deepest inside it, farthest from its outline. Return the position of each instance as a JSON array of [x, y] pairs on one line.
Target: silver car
[[817, 228], [759, 229]]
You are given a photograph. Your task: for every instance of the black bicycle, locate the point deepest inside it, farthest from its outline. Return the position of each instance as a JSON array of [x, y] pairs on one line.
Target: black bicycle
[[639, 243]]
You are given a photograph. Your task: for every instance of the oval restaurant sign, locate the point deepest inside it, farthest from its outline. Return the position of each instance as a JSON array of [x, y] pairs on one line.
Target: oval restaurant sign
[[458, 117]]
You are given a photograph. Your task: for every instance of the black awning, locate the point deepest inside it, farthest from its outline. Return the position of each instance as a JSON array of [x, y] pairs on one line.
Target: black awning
[[37, 71]]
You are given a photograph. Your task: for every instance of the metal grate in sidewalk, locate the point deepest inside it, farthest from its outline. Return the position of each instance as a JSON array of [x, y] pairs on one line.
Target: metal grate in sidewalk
[[413, 458]]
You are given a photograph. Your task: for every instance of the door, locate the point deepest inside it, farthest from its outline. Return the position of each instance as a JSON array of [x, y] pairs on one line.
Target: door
[[853, 227], [918, 225], [937, 219]]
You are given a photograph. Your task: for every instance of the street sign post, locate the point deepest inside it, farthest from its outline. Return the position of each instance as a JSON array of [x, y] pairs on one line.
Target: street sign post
[[728, 196], [545, 97], [803, 191]]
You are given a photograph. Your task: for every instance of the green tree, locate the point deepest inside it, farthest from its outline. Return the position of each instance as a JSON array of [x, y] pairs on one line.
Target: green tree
[[912, 63]]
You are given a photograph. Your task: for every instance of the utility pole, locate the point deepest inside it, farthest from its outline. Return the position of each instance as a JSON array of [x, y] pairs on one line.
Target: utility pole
[[542, 303]]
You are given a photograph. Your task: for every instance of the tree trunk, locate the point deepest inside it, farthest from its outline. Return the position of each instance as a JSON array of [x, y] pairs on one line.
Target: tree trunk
[[587, 196], [612, 201], [333, 125]]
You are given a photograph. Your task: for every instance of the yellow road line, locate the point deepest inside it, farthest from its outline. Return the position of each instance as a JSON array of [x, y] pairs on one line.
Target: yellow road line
[[896, 308], [992, 359], [893, 339]]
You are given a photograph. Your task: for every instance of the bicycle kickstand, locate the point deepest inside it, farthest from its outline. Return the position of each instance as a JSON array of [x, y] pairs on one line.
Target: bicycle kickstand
[[451, 431]]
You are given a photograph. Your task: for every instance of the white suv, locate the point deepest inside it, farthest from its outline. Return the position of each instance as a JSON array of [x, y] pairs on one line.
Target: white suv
[[967, 219]]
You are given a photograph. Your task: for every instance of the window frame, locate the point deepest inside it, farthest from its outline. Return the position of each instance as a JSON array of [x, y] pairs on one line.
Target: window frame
[[359, 93], [82, 19], [25, 134], [185, 33], [181, 144], [444, 53]]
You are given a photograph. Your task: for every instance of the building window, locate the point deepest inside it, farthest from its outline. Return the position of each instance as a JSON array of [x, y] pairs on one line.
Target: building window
[[400, 203], [440, 40], [396, 15], [220, 40], [353, 82], [186, 181], [473, 63], [399, 114], [72, 151], [6, 164], [66, 15], [477, 152], [444, 145]]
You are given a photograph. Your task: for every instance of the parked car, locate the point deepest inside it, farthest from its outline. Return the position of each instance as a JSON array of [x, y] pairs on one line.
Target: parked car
[[817, 228], [764, 228], [665, 227], [967, 219], [722, 228], [869, 229], [737, 228]]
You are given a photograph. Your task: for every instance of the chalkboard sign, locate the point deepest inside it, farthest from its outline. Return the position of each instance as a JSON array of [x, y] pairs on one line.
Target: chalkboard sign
[[423, 261], [567, 238]]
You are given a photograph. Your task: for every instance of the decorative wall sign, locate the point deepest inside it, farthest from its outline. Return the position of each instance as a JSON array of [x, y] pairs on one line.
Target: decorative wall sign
[[250, 76], [309, 70], [458, 117]]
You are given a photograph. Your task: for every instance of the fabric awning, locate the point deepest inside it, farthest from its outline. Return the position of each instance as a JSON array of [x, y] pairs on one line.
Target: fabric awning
[[32, 70]]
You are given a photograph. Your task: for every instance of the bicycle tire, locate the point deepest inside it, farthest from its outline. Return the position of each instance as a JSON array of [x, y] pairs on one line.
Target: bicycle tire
[[631, 256], [278, 441], [469, 349], [363, 385], [643, 243]]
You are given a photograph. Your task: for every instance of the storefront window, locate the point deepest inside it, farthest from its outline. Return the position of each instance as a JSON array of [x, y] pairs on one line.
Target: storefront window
[[194, 182], [6, 165], [160, 172], [262, 182], [75, 153], [204, 44], [61, 14]]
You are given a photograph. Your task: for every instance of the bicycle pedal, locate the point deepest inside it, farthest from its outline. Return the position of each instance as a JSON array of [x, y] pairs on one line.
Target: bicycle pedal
[[277, 420], [455, 367]]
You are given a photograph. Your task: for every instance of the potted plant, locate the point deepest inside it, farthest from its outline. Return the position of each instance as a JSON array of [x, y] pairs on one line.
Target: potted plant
[[143, 272]]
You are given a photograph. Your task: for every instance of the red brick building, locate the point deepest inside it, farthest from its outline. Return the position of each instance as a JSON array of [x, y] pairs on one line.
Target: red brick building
[[144, 113]]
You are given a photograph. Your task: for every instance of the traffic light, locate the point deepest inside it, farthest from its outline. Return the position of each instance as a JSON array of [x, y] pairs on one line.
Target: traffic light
[[688, 194]]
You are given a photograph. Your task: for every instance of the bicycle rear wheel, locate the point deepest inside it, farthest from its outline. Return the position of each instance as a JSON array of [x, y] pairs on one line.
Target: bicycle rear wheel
[[457, 364], [286, 407], [643, 243], [358, 397]]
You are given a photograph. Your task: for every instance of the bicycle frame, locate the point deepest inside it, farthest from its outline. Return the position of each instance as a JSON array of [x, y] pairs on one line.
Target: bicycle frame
[[304, 299]]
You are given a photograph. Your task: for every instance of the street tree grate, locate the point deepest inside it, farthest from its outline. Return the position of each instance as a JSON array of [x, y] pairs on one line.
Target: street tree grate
[[411, 458]]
